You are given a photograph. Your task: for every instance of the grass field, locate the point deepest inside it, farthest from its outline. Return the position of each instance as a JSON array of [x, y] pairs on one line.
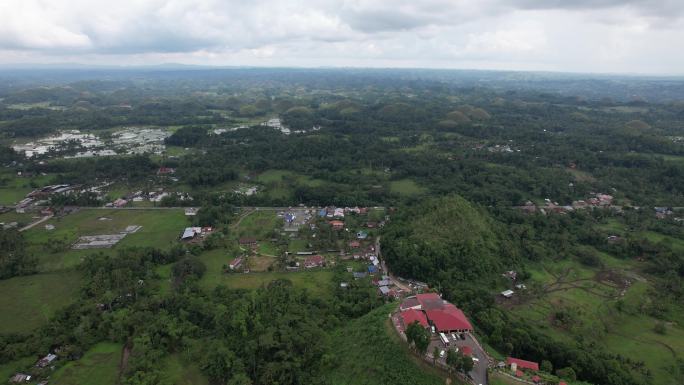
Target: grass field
[[160, 228], [318, 281], [22, 219], [14, 188], [99, 366], [259, 225], [27, 302], [368, 352], [279, 184], [9, 196], [406, 187], [178, 372]]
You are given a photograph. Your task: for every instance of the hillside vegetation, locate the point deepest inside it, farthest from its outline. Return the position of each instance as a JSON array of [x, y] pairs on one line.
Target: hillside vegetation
[[366, 353], [442, 240]]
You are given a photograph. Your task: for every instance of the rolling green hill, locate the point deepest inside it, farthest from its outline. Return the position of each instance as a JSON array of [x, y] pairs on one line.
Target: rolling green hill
[[368, 352]]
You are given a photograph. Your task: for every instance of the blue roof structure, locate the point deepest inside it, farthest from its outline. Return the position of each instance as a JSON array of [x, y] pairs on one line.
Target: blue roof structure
[[372, 269]]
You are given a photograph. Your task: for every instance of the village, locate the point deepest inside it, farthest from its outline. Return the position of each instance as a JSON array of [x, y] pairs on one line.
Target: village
[[305, 239]]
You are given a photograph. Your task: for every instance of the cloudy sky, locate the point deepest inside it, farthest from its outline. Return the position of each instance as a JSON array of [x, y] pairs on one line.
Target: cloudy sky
[[636, 36]]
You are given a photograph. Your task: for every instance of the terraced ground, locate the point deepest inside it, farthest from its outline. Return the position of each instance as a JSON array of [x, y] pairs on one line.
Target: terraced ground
[[606, 306]]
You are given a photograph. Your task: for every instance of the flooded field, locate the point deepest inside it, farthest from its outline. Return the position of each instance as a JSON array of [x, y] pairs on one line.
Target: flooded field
[[75, 144]]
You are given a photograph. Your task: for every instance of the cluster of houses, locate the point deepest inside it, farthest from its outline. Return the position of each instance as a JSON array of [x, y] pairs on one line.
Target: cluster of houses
[[597, 200], [195, 233], [339, 212], [512, 275], [667, 212], [47, 361], [40, 197], [386, 287], [152, 196]]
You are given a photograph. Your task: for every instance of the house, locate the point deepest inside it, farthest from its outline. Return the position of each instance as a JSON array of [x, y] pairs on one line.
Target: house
[[604, 199], [338, 213], [536, 379], [247, 241], [613, 239], [372, 269], [410, 316], [314, 261], [359, 275], [120, 203], [362, 235], [191, 211], [354, 244], [511, 274], [165, 171], [507, 293], [383, 282], [20, 377], [371, 225], [467, 351], [190, 233], [518, 364], [47, 360], [337, 225], [385, 291], [410, 303], [235, 263]]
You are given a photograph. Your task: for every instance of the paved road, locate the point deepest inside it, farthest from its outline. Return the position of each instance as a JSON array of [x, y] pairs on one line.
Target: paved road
[[36, 223], [479, 372]]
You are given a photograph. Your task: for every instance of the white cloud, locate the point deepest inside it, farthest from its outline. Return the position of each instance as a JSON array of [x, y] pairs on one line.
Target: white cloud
[[579, 35]]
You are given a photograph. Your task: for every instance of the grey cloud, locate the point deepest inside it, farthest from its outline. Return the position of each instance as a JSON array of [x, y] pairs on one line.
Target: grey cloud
[[654, 8]]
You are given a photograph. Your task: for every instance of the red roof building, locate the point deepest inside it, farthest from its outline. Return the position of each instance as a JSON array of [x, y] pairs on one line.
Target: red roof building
[[314, 261], [536, 379], [235, 263], [165, 170], [519, 373], [337, 225], [410, 316], [467, 351], [522, 364], [449, 319], [443, 315]]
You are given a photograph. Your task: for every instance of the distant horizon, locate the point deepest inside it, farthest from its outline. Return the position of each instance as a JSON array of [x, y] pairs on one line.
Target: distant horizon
[[29, 66]]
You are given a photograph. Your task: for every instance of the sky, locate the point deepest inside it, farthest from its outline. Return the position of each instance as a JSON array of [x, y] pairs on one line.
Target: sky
[[598, 36]]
